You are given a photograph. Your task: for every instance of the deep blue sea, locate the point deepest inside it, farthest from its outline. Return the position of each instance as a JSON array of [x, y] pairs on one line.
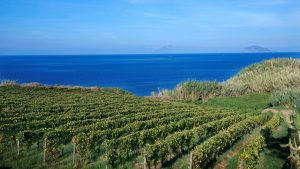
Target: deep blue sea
[[139, 74]]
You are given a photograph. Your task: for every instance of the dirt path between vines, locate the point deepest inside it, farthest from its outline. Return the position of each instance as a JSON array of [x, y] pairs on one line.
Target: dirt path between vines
[[239, 146], [222, 165]]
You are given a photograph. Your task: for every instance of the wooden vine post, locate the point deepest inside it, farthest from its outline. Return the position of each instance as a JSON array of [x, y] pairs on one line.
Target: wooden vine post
[[74, 153], [106, 165], [191, 160], [74, 149], [45, 149], [18, 147], [146, 162]]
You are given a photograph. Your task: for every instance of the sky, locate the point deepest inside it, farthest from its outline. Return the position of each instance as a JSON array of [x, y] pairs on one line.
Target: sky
[[147, 26]]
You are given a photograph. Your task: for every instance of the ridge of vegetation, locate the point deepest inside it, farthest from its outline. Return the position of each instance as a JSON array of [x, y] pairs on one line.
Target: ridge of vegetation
[[264, 77]]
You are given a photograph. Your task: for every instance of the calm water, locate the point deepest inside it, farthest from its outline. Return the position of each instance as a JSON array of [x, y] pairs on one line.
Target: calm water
[[139, 74]]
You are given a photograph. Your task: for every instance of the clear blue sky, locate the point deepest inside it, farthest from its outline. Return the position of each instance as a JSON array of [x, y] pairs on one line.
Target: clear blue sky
[[147, 26]]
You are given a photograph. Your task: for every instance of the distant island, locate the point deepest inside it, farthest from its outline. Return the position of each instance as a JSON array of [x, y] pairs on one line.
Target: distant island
[[255, 48]]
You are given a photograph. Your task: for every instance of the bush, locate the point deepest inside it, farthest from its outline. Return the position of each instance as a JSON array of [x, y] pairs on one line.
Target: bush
[[288, 98], [193, 90], [8, 83], [297, 104]]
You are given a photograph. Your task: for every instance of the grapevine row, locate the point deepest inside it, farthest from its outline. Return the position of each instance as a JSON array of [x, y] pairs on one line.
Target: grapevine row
[[122, 148], [250, 156], [212, 147]]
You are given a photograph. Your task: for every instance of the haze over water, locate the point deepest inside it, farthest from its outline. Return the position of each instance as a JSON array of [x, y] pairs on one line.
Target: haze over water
[[139, 74]]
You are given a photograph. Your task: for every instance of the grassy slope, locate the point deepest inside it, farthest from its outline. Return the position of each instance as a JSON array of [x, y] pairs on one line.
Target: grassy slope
[[250, 102], [266, 76]]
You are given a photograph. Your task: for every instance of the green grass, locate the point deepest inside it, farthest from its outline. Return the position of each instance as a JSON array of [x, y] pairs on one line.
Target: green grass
[[270, 160], [296, 120], [250, 102], [193, 90], [31, 158], [181, 163], [281, 131], [270, 157], [233, 162], [231, 155]]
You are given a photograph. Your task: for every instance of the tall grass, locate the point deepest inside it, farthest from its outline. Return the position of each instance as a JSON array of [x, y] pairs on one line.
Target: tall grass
[[36, 84], [287, 98], [264, 77], [8, 83], [267, 76], [193, 90]]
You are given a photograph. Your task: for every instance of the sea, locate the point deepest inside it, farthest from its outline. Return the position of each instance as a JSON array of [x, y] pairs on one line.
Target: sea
[[139, 74]]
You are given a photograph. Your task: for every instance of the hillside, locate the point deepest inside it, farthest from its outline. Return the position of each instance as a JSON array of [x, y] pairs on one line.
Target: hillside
[[266, 76]]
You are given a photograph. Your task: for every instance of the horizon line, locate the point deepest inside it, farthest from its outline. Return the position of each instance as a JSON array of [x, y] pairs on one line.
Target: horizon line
[[179, 53]]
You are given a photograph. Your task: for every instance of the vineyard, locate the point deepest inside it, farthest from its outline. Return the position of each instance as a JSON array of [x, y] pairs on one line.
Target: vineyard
[[80, 127]]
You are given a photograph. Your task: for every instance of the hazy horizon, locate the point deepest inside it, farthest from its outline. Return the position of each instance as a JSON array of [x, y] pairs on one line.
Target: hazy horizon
[[147, 26], [142, 54]]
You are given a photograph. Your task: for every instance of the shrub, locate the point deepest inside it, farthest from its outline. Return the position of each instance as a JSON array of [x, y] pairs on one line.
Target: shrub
[[32, 84], [8, 83], [297, 104], [289, 98], [193, 90], [153, 93]]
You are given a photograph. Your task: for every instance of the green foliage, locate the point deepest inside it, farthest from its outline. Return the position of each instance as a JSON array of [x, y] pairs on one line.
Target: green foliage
[[270, 160], [266, 76], [249, 102], [8, 83], [215, 145], [281, 131], [179, 141], [271, 126], [153, 93], [193, 90], [297, 104], [251, 153], [250, 156], [296, 120], [98, 122], [289, 98], [139, 139]]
